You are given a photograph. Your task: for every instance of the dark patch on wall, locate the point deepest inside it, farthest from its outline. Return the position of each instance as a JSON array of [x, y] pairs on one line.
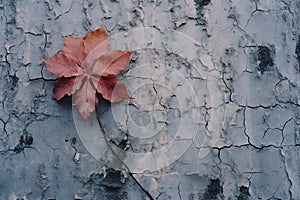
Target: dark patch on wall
[[200, 4], [112, 185], [191, 196], [109, 186], [265, 58], [297, 51], [109, 181], [13, 82], [213, 190], [244, 193]]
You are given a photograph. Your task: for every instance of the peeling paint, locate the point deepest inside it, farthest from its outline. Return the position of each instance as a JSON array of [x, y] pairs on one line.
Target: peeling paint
[[246, 84]]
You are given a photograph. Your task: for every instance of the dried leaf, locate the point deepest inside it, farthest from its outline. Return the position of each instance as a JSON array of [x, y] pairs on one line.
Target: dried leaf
[[73, 48], [62, 66], [87, 66], [94, 38], [85, 99], [112, 89], [111, 63], [66, 86]]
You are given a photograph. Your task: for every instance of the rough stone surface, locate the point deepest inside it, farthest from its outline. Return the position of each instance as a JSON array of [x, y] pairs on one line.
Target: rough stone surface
[[243, 73]]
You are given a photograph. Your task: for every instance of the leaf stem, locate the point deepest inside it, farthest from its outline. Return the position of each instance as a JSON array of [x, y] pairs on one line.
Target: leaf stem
[[119, 158]]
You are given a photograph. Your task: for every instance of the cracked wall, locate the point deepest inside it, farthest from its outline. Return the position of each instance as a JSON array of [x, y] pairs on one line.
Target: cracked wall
[[243, 72]]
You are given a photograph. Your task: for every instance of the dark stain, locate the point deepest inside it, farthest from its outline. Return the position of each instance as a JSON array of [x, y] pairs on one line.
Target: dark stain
[[230, 51], [191, 196], [297, 51], [264, 57], [244, 193], [13, 82], [123, 144], [213, 190], [109, 181], [200, 4], [112, 186], [109, 186], [25, 141]]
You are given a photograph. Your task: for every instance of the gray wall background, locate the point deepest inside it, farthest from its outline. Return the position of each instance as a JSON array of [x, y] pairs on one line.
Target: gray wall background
[[249, 55]]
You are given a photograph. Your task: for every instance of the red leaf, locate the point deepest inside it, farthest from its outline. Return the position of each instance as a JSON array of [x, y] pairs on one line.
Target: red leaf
[[94, 38], [73, 48], [86, 66], [98, 51], [66, 86], [62, 66], [112, 89], [85, 99], [111, 63]]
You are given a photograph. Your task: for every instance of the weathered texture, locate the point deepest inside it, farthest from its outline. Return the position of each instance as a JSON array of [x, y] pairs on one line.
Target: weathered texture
[[244, 75]]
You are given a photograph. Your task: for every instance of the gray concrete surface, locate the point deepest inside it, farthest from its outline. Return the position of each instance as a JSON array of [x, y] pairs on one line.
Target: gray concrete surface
[[243, 72]]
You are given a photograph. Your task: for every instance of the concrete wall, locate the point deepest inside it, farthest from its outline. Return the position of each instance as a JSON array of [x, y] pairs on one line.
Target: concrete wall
[[223, 76]]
